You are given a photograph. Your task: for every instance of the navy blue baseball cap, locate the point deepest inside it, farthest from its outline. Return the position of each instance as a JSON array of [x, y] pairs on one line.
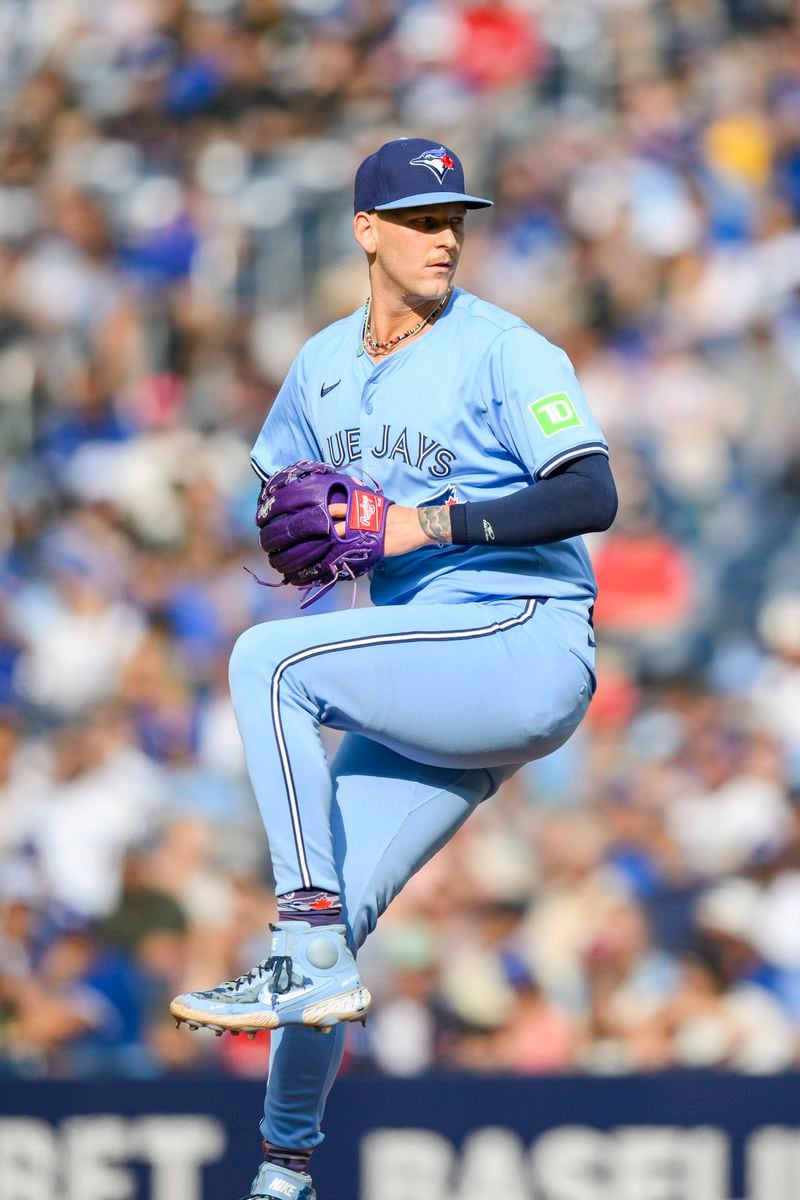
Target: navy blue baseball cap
[[412, 173]]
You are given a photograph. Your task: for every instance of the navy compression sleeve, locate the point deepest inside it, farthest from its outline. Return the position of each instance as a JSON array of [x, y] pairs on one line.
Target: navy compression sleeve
[[579, 498]]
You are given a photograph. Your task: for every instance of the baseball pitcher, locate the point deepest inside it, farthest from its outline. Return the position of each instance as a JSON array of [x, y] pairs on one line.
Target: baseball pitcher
[[440, 444]]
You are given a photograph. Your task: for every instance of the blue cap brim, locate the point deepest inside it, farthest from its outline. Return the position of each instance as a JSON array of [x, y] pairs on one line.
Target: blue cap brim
[[426, 199]]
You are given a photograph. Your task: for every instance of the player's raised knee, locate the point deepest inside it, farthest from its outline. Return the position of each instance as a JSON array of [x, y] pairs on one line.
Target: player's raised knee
[[259, 652], [252, 659]]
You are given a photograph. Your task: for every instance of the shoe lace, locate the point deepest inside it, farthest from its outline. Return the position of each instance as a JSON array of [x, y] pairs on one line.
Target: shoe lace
[[279, 965]]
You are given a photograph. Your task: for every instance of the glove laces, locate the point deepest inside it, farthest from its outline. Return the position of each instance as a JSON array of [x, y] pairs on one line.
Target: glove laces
[[315, 591]]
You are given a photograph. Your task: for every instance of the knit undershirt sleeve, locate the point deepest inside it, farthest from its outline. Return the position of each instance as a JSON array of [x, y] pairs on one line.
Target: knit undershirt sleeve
[[578, 498]]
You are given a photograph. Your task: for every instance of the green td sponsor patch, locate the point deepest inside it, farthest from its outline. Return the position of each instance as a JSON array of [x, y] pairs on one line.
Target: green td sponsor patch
[[554, 413]]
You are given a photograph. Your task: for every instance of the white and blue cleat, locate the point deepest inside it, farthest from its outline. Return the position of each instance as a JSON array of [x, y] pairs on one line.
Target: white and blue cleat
[[310, 978], [279, 1183]]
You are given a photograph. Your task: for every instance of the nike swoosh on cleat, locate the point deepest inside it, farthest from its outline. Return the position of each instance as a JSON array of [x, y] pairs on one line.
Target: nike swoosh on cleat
[[277, 999], [323, 391]]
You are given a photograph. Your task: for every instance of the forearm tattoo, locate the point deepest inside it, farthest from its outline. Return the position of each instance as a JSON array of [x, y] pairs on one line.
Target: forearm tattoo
[[435, 523]]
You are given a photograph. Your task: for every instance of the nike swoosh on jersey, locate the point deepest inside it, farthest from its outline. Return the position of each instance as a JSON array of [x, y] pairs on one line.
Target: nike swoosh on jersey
[[323, 391]]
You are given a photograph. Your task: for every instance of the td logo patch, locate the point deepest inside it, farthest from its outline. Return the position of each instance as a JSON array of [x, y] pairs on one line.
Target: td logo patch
[[554, 413]]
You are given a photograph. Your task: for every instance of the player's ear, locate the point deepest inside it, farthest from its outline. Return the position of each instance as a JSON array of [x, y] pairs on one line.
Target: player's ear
[[364, 231]]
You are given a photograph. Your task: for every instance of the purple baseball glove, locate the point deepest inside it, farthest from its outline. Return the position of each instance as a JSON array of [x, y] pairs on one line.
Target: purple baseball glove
[[297, 531]]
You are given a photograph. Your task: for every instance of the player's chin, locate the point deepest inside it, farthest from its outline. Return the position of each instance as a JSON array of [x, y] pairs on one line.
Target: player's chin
[[436, 282]]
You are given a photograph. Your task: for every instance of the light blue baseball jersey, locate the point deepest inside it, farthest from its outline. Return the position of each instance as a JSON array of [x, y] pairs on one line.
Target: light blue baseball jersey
[[478, 407]]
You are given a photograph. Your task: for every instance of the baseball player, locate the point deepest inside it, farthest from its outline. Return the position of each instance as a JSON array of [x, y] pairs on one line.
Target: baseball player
[[440, 442]]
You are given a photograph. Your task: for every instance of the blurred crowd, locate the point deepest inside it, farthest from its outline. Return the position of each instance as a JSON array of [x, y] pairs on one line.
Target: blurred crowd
[[175, 185]]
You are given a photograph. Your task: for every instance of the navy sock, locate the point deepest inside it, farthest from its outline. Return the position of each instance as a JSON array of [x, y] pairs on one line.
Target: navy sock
[[290, 1160], [310, 904]]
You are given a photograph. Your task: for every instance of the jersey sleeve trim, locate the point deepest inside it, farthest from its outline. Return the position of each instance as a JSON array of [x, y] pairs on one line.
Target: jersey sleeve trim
[[558, 460], [260, 472]]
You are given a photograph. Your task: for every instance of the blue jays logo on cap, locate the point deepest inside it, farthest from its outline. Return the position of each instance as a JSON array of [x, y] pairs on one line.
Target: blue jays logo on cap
[[438, 161], [390, 178]]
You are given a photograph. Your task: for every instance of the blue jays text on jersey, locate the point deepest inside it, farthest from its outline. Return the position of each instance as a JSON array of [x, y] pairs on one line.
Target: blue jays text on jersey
[[480, 402], [343, 448]]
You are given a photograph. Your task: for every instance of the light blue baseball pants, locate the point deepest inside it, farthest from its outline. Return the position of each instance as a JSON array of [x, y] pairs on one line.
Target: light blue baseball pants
[[440, 703]]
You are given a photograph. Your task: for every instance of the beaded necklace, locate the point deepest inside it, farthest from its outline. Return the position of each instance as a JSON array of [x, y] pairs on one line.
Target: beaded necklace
[[375, 347]]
